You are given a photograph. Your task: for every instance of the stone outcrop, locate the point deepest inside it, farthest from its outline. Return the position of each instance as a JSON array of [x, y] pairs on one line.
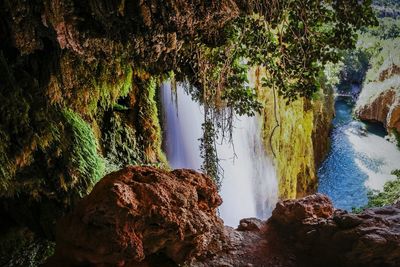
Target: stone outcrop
[[142, 216], [251, 244], [383, 108], [139, 215], [379, 100], [322, 236]]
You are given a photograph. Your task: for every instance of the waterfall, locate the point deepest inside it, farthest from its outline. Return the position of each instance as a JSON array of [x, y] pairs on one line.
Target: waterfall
[[249, 186], [182, 128]]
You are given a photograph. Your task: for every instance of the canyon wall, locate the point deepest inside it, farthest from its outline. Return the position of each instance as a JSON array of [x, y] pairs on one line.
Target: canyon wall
[[379, 100], [300, 142]]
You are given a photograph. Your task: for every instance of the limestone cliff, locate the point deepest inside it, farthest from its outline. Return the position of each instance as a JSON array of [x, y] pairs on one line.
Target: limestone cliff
[[379, 100], [300, 142]]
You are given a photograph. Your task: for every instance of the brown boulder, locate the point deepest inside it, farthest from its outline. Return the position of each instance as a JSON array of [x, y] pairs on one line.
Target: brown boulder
[[294, 211], [139, 214], [253, 244], [321, 237]]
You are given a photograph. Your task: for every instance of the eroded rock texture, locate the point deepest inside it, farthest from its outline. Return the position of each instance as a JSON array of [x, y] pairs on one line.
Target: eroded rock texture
[[141, 215], [322, 236], [253, 243], [309, 232], [384, 108], [379, 100]]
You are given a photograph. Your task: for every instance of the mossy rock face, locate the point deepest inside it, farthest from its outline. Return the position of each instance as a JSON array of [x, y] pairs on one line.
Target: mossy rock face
[[55, 175], [64, 158], [148, 120], [83, 165], [120, 141], [300, 142]]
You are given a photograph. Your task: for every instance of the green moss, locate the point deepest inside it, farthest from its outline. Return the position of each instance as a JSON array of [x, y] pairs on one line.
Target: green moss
[[121, 146], [148, 121], [85, 166], [90, 88], [119, 107], [107, 92], [389, 195]]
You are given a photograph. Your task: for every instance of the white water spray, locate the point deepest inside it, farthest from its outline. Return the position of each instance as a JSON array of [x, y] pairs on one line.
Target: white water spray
[[249, 186], [376, 157]]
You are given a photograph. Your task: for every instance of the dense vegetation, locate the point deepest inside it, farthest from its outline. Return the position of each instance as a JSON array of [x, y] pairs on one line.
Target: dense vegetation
[[389, 195]]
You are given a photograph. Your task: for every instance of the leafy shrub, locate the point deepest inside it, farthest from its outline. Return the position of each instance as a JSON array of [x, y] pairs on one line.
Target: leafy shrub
[[389, 195]]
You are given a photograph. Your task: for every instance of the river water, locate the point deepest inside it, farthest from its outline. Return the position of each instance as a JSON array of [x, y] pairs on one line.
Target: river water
[[249, 187], [360, 159]]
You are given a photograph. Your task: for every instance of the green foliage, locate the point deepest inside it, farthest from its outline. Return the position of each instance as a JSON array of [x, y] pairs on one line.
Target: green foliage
[[331, 74], [292, 47], [355, 66], [384, 60], [377, 51], [292, 40], [210, 164], [388, 28], [221, 72], [121, 146], [389, 195]]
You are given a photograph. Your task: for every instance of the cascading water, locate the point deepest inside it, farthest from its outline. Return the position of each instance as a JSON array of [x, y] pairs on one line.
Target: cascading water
[[249, 186], [183, 118]]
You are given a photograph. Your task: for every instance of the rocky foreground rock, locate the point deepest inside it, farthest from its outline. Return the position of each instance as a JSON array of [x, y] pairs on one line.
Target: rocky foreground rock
[[139, 216], [142, 216]]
